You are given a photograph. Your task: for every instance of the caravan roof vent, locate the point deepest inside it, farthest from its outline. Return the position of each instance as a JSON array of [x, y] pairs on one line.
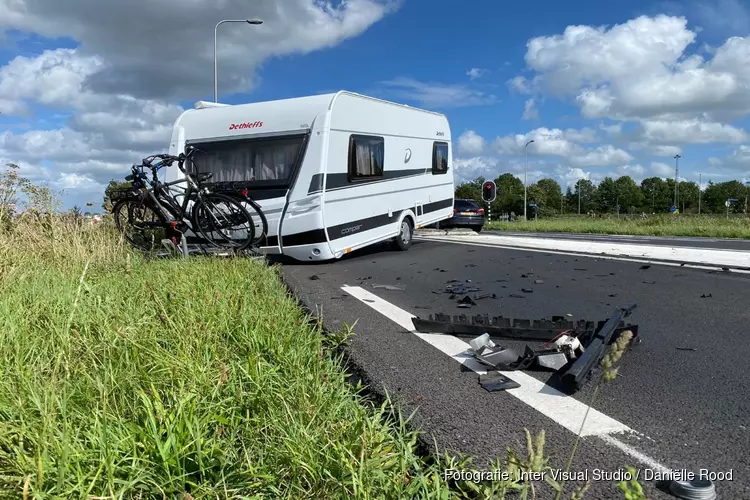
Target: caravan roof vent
[[209, 104]]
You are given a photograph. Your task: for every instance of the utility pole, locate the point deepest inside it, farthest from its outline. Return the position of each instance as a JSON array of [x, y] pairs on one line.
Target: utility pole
[[525, 176], [653, 198], [579, 196], [700, 189], [676, 172]]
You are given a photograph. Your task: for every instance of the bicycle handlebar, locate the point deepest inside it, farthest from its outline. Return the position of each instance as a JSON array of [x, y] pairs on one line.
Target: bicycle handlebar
[[167, 160]]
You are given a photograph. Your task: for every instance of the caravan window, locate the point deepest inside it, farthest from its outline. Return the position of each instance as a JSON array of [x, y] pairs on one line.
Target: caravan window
[[439, 157], [267, 161], [366, 156]]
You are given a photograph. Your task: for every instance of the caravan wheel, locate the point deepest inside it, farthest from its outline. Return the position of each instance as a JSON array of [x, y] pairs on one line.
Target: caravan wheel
[[403, 240]]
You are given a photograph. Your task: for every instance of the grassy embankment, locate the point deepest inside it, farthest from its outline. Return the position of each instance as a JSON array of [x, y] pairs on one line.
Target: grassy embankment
[[122, 377], [655, 225]]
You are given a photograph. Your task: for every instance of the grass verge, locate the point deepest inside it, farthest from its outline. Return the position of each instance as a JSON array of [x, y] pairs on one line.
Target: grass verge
[[654, 225], [121, 377]]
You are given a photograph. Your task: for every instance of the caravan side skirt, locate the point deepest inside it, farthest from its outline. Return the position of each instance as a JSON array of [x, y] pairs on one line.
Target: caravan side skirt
[[317, 236], [350, 228], [301, 245]]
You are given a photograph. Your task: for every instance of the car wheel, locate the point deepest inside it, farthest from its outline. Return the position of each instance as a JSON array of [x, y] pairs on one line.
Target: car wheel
[[405, 234], [478, 229]]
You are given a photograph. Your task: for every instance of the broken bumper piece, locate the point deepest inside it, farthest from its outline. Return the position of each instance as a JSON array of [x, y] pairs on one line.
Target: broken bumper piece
[[577, 348], [500, 358], [496, 381]]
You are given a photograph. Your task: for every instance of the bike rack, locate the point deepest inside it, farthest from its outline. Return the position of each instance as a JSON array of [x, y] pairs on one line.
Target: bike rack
[[182, 250]]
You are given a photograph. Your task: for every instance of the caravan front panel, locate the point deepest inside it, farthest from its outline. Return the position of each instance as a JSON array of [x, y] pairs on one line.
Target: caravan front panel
[[265, 148]]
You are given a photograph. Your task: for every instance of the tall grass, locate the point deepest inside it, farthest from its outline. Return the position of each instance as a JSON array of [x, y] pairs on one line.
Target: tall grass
[[122, 377], [655, 225]]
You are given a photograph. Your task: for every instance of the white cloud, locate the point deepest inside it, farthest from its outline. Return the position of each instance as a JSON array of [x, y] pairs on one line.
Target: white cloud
[[122, 35], [106, 133], [119, 85], [529, 110], [470, 143], [479, 166], [520, 84], [663, 170], [569, 176], [742, 154], [666, 150], [475, 73], [656, 88], [692, 131], [568, 159], [434, 95], [643, 70], [565, 144], [635, 172], [614, 130], [582, 136], [600, 157]]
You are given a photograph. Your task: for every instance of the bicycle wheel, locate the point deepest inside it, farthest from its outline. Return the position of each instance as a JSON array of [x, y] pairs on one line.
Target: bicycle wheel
[[218, 214], [140, 223], [260, 223]]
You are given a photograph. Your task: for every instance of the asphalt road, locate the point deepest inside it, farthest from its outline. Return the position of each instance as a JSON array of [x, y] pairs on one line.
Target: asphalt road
[[672, 241], [689, 408]]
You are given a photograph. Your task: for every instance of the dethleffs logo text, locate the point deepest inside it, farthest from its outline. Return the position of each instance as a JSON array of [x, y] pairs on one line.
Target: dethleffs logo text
[[240, 126]]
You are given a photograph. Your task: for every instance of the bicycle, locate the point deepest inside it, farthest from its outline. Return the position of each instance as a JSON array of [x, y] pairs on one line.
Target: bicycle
[[239, 190], [156, 208]]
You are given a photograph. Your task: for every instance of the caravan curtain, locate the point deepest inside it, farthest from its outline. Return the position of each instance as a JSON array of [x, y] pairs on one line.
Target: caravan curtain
[[369, 156], [252, 160]]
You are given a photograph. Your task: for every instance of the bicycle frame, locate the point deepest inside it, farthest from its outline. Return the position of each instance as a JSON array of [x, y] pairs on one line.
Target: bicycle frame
[[159, 199]]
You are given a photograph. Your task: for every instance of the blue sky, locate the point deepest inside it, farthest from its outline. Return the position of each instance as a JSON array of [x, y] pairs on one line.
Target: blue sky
[[602, 90]]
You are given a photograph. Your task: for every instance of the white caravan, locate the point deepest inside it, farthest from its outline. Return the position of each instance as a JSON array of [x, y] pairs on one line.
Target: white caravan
[[332, 173]]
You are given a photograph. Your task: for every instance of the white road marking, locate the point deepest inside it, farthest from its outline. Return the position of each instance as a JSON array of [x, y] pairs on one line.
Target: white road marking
[[709, 257], [630, 451], [562, 409], [644, 260]]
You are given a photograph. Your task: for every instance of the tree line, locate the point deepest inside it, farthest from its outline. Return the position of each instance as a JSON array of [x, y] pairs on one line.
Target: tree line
[[653, 195]]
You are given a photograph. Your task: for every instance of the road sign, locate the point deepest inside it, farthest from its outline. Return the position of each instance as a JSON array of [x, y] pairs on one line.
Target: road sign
[[532, 204], [673, 208], [617, 207], [732, 200], [489, 191], [727, 203]]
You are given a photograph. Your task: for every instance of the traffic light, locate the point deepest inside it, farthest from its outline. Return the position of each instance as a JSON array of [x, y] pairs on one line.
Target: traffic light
[[489, 191]]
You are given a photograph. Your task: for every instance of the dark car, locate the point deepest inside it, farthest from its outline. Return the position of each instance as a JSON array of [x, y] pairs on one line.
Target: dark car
[[466, 213]]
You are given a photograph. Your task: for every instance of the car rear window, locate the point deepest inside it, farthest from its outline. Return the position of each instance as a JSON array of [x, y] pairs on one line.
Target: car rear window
[[466, 205]]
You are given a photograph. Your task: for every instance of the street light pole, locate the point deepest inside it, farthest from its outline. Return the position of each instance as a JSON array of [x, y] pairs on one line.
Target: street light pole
[[700, 183], [525, 176], [579, 196], [216, 67], [676, 170]]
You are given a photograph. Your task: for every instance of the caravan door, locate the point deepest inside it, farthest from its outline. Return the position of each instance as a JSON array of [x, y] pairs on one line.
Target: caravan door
[[265, 166]]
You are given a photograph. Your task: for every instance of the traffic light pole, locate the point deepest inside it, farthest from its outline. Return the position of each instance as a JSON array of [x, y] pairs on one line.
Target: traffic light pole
[[489, 192]]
